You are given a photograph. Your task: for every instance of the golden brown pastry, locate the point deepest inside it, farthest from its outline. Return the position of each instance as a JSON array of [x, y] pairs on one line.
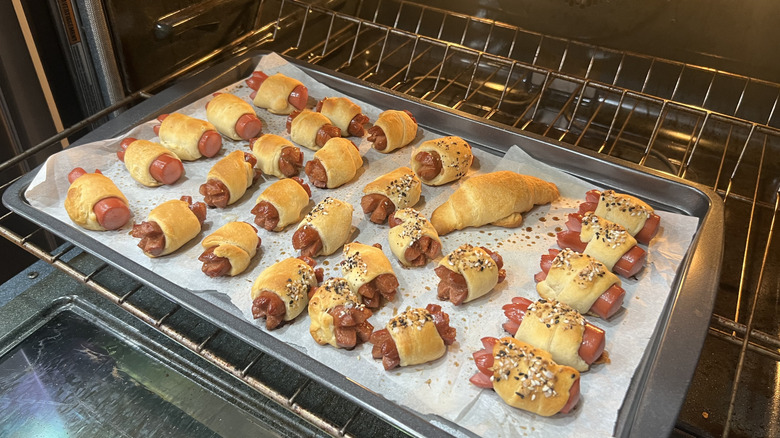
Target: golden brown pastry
[[187, 137], [526, 377], [335, 164], [393, 130], [412, 238], [325, 229], [344, 114], [274, 92], [369, 273], [607, 241], [413, 337], [468, 273], [338, 316], [626, 210], [497, 198], [150, 163], [281, 204], [390, 192], [442, 160], [281, 292], [94, 202], [229, 249], [579, 280], [169, 226], [233, 117], [555, 327], [307, 125], [277, 156], [228, 179]]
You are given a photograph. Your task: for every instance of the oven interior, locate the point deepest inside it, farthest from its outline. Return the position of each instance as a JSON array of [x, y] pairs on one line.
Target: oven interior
[[681, 110]]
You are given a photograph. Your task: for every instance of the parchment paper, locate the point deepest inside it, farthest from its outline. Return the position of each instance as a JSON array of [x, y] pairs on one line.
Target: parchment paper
[[440, 387]]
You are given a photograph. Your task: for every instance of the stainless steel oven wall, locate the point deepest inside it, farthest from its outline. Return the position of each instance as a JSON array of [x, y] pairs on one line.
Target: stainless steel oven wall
[[721, 34]]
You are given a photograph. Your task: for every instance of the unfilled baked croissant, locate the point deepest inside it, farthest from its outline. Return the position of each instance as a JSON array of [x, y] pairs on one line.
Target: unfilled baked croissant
[[229, 249], [497, 198]]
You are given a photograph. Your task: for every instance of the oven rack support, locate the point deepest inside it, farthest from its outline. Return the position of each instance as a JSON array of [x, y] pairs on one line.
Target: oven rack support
[[584, 95]]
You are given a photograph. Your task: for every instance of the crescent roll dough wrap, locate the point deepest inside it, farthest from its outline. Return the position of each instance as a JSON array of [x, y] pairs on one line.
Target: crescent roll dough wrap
[[476, 266], [341, 161], [332, 220], [363, 263], [340, 111], [268, 149], [290, 279], [555, 327], [333, 292], [401, 186], [497, 198], [413, 227], [224, 110], [456, 158], [304, 127], [177, 222], [399, 128], [577, 280], [288, 197], [626, 210], [235, 241], [416, 337], [86, 191], [181, 134], [235, 172], [139, 155], [527, 378], [607, 241], [274, 92]]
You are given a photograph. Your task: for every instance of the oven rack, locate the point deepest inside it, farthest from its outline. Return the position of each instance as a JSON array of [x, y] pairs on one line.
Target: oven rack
[[644, 110]]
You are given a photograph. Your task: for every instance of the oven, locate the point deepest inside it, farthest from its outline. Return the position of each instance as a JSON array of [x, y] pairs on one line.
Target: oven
[[636, 84]]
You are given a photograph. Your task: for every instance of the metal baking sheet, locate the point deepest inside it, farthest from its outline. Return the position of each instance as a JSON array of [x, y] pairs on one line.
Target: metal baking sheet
[[659, 384]]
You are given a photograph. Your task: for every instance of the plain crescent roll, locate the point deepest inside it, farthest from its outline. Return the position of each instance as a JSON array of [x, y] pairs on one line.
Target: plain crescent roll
[[401, 186], [476, 266], [527, 378], [177, 222], [290, 279], [273, 94], [331, 218], [496, 198], [288, 197], [607, 241], [341, 160], [224, 110], [626, 210], [139, 155], [235, 172], [181, 134], [555, 327], [399, 128], [235, 241], [304, 128], [333, 292], [86, 191], [268, 149], [416, 337], [340, 111], [456, 158], [576, 279]]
